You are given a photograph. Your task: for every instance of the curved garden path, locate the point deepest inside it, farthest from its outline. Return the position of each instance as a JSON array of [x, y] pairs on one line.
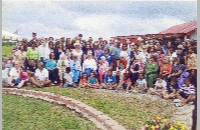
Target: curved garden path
[[101, 120]]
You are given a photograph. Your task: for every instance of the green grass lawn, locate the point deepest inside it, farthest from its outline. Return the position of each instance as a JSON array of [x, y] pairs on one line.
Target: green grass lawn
[[21, 113], [6, 50], [129, 111]]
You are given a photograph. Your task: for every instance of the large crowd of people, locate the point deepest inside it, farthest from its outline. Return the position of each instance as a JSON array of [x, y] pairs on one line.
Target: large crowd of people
[[164, 68]]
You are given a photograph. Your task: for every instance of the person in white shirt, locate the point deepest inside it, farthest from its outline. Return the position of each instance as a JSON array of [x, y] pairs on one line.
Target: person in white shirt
[[68, 77], [77, 51], [41, 76], [14, 74], [89, 65], [41, 49], [160, 86], [5, 77], [140, 84]]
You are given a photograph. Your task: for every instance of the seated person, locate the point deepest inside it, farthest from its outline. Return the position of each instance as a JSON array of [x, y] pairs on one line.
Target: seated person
[[83, 81], [5, 77], [31, 67], [93, 81], [103, 68], [160, 86], [125, 84], [140, 85], [68, 77], [171, 89], [14, 77], [186, 93], [62, 65], [110, 81], [41, 77]]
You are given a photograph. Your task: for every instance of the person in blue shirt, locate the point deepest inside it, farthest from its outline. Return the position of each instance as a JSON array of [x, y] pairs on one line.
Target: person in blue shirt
[[51, 67], [110, 81], [108, 56]]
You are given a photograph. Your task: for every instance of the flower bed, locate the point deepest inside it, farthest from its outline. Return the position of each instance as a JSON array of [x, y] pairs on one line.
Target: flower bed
[[163, 124]]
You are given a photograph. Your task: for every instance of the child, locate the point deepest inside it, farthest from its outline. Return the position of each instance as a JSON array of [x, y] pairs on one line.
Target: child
[[110, 81], [171, 89], [23, 77], [103, 68], [68, 76], [186, 93], [125, 84], [140, 85], [83, 81], [75, 68], [61, 65], [160, 86], [93, 81]]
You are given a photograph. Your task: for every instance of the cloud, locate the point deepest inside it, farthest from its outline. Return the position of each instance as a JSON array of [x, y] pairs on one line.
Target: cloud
[[96, 19]]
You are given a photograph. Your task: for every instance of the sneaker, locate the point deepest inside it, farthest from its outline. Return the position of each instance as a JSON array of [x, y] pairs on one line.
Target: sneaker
[[55, 82], [191, 103], [176, 100], [134, 91], [52, 84], [127, 92]]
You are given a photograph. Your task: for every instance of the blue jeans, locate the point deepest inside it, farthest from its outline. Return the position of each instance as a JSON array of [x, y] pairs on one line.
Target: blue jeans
[[76, 74], [88, 71]]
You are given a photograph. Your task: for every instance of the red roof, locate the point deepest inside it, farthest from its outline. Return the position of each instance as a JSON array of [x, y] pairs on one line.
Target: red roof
[[182, 28]]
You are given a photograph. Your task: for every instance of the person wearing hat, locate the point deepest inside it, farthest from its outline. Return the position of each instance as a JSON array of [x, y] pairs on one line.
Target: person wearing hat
[[77, 50]]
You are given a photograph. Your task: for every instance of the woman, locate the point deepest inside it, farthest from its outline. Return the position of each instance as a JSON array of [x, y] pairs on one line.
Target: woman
[[108, 56], [49, 48], [20, 55], [160, 56], [77, 51], [177, 69], [191, 61], [87, 49], [165, 67], [33, 52], [98, 51], [51, 67], [89, 64], [58, 51], [151, 71]]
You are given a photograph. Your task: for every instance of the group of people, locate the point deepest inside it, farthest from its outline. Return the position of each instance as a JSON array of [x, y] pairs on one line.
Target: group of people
[[164, 68]]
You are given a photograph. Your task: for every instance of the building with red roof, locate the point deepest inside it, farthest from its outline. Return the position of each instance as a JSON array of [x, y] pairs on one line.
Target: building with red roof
[[182, 31]]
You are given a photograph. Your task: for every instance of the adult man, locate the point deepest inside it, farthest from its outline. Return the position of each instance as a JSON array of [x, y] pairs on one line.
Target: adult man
[[40, 78]]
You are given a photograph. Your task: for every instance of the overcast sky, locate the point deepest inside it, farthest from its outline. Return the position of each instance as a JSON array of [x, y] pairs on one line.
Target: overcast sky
[[96, 19]]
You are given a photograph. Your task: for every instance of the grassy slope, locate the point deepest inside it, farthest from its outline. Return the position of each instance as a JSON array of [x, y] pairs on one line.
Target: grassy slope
[[20, 113], [130, 111]]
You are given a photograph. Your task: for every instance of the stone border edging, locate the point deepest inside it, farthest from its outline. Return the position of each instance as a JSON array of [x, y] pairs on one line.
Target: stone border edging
[[101, 120]]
